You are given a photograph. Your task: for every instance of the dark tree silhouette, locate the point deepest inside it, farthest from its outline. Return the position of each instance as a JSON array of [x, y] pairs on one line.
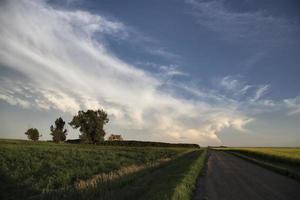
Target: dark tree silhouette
[[33, 134], [58, 132], [90, 124]]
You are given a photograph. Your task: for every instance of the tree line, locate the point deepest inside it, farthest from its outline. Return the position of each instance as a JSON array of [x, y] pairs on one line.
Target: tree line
[[90, 124], [91, 127]]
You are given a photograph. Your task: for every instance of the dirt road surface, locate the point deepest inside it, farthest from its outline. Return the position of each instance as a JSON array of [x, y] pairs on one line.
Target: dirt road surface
[[228, 177]]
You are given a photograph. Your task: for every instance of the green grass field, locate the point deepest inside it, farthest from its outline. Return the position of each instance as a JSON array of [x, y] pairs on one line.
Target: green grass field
[[42, 170]]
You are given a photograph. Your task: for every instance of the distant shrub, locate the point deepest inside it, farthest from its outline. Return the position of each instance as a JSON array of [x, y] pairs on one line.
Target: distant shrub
[[114, 137], [33, 134]]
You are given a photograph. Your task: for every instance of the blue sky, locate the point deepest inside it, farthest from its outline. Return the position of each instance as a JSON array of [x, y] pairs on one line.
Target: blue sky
[[208, 72]]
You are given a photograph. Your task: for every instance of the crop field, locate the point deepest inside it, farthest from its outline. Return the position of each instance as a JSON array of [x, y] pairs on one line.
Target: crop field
[[289, 156], [42, 170]]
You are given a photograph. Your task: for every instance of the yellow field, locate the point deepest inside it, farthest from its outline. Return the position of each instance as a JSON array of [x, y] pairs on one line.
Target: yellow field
[[292, 153], [283, 155]]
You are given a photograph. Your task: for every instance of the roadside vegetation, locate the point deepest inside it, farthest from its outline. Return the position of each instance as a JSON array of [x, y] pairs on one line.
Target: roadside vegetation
[[283, 160], [43, 170]]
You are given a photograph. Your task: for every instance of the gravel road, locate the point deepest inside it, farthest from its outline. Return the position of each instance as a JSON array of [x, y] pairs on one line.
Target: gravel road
[[228, 177]]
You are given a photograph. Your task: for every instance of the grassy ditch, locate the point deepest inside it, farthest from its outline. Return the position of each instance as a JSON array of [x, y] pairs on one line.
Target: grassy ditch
[[184, 189]]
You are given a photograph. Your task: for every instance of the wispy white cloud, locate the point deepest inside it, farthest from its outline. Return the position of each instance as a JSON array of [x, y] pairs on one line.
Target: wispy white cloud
[[172, 70], [252, 100], [229, 83], [234, 85], [293, 104], [67, 69], [238, 89], [163, 53], [163, 69], [261, 91], [252, 26]]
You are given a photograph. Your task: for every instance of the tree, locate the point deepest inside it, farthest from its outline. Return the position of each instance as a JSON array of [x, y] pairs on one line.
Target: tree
[[33, 134], [58, 132], [113, 137], [90, 124]]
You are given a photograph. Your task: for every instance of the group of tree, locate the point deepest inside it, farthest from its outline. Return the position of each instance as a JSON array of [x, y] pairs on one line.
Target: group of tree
[[90, 124]]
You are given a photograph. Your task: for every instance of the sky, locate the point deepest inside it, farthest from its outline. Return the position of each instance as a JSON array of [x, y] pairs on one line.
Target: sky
[[215, 72]]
